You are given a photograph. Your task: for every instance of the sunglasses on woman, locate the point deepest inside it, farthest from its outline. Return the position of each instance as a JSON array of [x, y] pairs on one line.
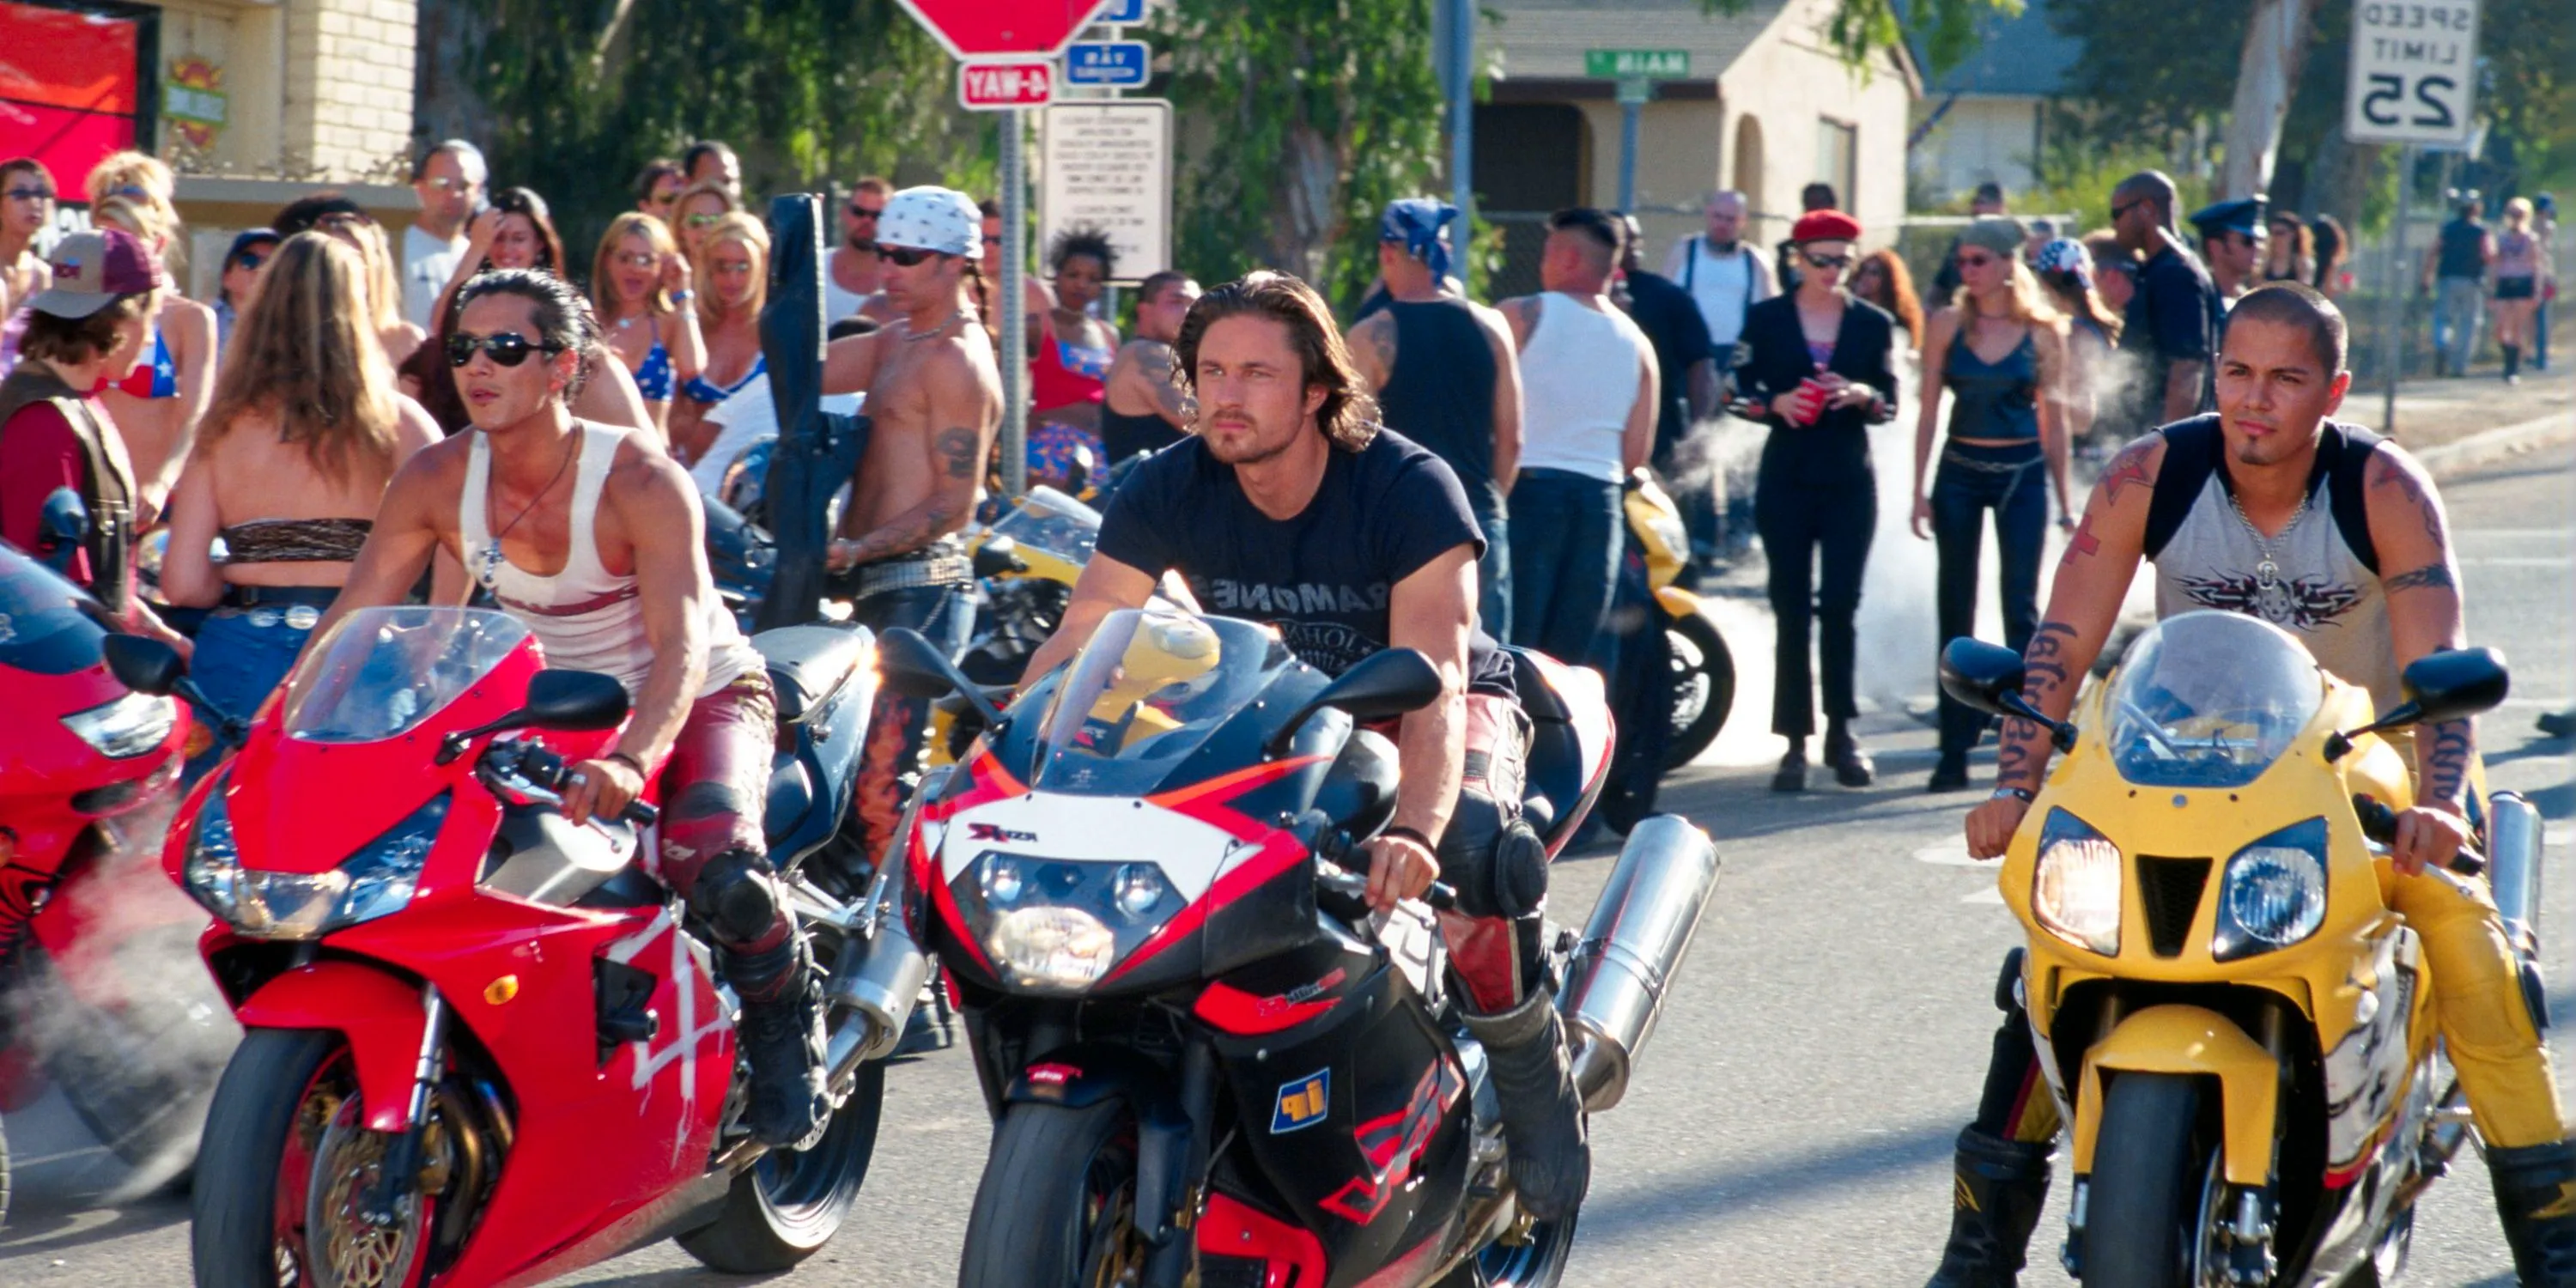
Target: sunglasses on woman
[[701, 220], [905, 256], [638, 259], [1828, 261], [1975, 261], [507, 349]]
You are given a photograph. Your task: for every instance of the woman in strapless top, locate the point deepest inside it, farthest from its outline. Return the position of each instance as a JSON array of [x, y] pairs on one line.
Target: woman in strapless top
[[733, 262], [288, 471]]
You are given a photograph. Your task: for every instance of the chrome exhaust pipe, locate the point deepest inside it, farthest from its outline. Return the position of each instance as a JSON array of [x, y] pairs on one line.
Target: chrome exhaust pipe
[[2513, 866], [883, 986], [1614, 987]]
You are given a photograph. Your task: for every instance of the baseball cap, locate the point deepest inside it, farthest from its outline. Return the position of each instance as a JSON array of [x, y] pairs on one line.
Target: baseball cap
[[92, 269], [247, 238]]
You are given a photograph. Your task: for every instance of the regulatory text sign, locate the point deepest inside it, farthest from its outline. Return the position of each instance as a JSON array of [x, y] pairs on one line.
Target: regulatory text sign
[[2414, 64], [1001, 85], [1108, 166], [1107, 62]]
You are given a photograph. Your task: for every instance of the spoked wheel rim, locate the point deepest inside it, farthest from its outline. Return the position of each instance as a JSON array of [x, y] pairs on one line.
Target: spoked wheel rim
[[333, 1246], [1113, 1254], [1538, 1259], [1692, 684]]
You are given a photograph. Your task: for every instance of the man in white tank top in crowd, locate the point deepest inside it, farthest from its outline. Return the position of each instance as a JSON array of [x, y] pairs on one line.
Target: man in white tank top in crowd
[[1588, 401], [854, 273], [619, 524], [934, 396]]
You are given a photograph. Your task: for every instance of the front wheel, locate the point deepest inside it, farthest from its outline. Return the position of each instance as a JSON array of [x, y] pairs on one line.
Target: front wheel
[[2141, 1225], [790, 1203], [1703, 687], [281, 1172], [1057, 1206], [1537, 1261]]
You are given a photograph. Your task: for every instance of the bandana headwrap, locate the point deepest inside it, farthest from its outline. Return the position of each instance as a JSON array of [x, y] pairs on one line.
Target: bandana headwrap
[[933, 218], [2063, 256], [1417, 222]]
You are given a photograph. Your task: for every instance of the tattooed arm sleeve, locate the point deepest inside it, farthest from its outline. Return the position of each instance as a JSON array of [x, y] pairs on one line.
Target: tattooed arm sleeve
[[2420, 576], [2083, 604]]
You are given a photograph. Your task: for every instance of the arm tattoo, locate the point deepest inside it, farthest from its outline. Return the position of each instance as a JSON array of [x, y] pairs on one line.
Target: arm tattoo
[[1163, 373], [2446, 770], [2436, 575], [2411, 489], [956, 446], [1379, 331], [2130, 466], [2025, 750], [2082, 543]]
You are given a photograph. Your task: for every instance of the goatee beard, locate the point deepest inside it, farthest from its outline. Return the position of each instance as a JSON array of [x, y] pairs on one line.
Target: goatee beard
[[863, 245]]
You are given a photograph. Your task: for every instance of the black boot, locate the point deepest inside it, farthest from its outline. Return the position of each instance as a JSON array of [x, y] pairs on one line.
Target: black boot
[[1551, 1162], [1792, 775], [2512, 364], [1852, 766], [1996, 1199], [782, 1035], [2535, 1193], [1951, 774]]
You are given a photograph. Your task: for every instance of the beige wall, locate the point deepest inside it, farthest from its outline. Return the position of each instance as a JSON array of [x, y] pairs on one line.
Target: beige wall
[[1789, 83], [1976, 140], [318, 89]]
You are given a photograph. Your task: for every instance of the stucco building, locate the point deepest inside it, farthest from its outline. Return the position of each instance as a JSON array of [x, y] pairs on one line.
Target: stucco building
[[1767, 107]]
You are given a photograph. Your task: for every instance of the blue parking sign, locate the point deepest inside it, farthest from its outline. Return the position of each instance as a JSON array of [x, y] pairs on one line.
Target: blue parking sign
[[1120, 13], [1107, 62]]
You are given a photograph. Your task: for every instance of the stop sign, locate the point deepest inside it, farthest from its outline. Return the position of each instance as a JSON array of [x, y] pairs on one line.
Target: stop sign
[[991, 28]]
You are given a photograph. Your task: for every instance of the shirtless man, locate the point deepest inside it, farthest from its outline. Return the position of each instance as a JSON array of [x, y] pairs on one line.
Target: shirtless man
[[935, 397], [1143, 408], [630, 598]]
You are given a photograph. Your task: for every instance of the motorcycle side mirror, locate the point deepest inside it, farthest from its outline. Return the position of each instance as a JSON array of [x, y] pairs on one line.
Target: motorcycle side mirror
[[64, 520], [1989, 677], [999, 555], [917, 669], [573, 701], [2454, 684], [139, 662], [1387, 683], [562, 700]]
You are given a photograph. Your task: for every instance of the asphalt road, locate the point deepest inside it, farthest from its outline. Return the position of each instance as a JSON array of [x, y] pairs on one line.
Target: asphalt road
[[1791, 1124]]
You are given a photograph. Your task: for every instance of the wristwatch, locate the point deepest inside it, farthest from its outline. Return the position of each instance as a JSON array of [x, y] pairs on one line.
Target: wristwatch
[[683, 295], [2022, 794]]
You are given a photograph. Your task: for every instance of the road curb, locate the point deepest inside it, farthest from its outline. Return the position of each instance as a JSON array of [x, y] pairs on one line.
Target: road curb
[[2487, 446]]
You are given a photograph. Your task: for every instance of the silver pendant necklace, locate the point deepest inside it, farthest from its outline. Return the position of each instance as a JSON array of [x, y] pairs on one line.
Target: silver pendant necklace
[[2270, 595], [910, 335]]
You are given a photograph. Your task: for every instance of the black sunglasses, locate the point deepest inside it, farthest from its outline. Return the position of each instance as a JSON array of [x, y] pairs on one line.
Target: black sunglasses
[[861, 212], [249, 259], [1829, 261], [506, 348], [2120, 208], [906, 256]]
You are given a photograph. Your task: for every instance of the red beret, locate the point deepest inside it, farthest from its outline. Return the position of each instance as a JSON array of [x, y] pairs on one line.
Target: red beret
[[1825, 225]]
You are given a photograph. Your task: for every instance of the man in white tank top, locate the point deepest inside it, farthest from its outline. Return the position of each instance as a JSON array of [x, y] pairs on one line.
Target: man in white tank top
[[855, 273], [620, 524], [2280, 375], [1588, 402]]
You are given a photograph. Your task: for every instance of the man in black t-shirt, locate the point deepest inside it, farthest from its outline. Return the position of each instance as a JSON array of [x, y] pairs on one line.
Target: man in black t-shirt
[[2173, 319], [1289, 506], [1672, 323]]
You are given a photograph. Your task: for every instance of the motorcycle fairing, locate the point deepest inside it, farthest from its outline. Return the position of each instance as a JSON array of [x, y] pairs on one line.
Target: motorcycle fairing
[[2191, 1040], [380, 1016], [2367, 1073], [1384, 1170]]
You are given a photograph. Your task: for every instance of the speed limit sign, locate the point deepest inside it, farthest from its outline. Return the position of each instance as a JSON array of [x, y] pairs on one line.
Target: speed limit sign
[[2414, 70]]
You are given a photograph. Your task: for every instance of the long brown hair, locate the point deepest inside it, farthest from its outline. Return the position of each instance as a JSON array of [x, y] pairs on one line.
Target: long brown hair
[[1349, 414], [307, 354], [1901, 299]]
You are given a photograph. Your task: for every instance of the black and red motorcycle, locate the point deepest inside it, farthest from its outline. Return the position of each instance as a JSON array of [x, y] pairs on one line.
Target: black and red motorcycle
[[1207, 1060]]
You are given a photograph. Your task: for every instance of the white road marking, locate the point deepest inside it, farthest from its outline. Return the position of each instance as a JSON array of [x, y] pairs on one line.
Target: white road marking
[[1990, 894], [1951, 853]]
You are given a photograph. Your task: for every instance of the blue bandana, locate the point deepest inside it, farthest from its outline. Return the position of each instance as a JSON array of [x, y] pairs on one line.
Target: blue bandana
[[1416, 222]]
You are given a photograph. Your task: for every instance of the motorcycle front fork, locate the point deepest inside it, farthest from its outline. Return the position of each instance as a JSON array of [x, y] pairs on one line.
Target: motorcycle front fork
[[2247, 1237], [402, 1157]]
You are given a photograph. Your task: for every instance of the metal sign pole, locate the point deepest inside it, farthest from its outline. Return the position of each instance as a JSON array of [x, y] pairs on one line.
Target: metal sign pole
[[1632, 100], [1014, 358], [2392, 309]]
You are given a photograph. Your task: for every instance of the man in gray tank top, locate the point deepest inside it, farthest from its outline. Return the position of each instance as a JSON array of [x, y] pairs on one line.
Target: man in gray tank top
[[2270, 509]]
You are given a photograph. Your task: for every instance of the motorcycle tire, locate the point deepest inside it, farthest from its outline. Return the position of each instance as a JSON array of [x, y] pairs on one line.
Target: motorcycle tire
[[2147, 1173], [233, 1225], [785, 1207], [139, 1077], [1537, 1263], [1703, 687], [4, 1177], [1051, 1190]]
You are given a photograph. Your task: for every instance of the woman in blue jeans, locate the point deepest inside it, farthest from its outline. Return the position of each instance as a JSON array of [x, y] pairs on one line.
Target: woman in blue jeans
[[291, 461], [1999, 350]]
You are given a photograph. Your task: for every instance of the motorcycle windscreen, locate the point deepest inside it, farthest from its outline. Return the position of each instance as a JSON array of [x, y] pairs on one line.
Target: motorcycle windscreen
[[1151, 687], [1048, 520], [2210, 699], [48, 626], [381, 672]]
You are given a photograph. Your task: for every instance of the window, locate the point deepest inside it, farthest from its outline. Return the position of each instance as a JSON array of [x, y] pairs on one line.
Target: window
[[1838, 159]]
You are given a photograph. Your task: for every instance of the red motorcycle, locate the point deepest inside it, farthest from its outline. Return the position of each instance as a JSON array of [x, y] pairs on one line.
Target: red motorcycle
[[482, 1046], [87, 780]]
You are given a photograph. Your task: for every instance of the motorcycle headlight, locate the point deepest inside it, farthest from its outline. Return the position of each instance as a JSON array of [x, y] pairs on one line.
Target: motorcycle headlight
[[2076, 892], [1052, 947], [130, 726], [376, 881], [2274, 893]]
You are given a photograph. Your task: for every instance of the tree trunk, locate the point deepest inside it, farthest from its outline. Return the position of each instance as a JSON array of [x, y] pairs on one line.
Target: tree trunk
[[2267, 77]]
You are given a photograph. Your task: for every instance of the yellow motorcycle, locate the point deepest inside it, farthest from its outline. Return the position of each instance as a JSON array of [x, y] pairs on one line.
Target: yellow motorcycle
[[1703, 669], [2233, 1021]]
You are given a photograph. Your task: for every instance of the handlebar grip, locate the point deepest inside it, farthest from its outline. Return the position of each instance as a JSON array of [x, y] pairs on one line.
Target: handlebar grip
[[640, 814], [2379, 823]]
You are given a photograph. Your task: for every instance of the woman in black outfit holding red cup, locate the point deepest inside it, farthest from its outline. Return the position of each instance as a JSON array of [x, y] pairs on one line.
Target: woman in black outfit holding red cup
[[1817, 362]]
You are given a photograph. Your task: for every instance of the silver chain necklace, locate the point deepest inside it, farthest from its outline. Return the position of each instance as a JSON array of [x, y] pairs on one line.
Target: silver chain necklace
[[2270, 595], [911, 335]]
